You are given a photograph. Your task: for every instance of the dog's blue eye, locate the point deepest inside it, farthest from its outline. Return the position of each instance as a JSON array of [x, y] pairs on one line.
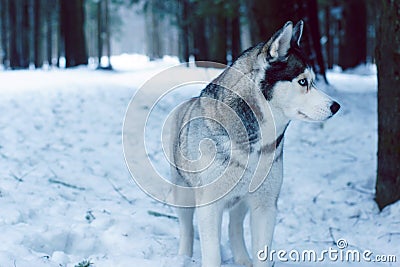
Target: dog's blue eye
[[303, 82]]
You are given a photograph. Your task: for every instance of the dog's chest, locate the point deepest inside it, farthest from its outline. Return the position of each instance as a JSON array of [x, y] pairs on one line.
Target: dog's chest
[[264, 177]]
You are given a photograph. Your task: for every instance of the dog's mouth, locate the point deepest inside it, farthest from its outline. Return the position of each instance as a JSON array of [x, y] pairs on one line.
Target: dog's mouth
[[304, 116], [308, 118]]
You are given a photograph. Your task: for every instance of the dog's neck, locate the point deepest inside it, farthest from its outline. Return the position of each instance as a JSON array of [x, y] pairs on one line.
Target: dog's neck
[[281, 124], [280, 120]]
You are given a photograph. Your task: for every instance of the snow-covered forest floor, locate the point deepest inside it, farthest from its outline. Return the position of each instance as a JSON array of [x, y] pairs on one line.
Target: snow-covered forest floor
[[66, 195]]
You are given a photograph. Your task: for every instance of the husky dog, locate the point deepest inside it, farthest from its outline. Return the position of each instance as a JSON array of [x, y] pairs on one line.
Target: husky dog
[[227, 145]]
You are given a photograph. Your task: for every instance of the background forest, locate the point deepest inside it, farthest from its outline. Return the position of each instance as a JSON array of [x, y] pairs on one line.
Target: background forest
[[343, 34], [37, 32]]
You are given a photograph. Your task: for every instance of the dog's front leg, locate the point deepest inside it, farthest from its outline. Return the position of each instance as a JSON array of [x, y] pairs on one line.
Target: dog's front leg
[[238, 245], [209, 221], [262, 229]]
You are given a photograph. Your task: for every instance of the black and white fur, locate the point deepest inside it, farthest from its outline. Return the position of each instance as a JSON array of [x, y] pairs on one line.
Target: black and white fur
[[269, 85]]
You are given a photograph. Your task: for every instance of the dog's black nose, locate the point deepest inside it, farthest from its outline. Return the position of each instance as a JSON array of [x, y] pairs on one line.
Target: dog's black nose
[[335, 107]]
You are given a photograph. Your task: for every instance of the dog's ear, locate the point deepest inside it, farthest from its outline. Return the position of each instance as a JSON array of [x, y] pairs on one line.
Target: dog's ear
[[279, 45], [298, 32]]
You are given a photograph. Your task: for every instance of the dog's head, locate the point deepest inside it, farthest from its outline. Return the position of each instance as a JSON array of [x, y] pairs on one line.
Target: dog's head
[[288, 82]]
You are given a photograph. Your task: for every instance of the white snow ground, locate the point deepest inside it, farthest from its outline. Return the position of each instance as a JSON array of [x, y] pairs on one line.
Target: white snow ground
[[67, 196]]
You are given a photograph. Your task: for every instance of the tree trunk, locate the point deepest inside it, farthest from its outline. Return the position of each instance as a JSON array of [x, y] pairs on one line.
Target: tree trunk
[[353, 47], [329, 52], [155, 22], [218, 35], [60, 38], [199, 40], [108, 33], [99, 33], [153, 30], [49, 34], [315, 37], [388, 62], [72, 23], [236, 45], [37, 14], [19, 29], [31, 32], [14, 51], [103, 33], [4, 33], [14, 57], [24, 34], [182, 18], [266, 17]]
